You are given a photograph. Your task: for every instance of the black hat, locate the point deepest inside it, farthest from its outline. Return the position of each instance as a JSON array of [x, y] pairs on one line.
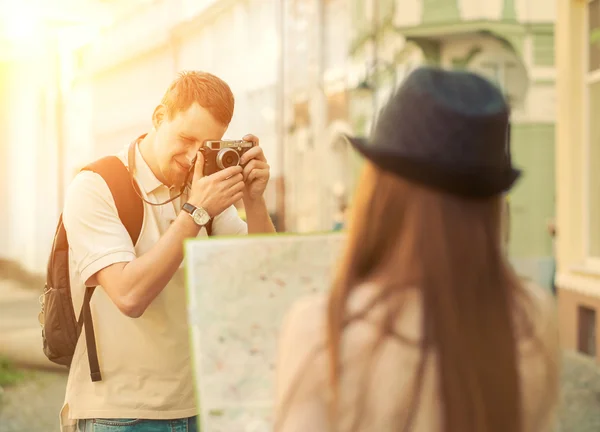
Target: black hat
[[445, 129]]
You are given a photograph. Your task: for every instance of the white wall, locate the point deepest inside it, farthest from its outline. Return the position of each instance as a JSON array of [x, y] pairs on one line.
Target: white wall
[[124, 99], [5, 122], [536, 10], [78, 130], [30, 177], [408, 12]]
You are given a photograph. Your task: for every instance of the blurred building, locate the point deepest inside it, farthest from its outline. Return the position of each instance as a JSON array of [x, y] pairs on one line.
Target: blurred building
[[319, 166], [512, 43], [337, 77], [121, 76], [339, 61], [60, 113], [28, 142], [31, 129], [578, 176]]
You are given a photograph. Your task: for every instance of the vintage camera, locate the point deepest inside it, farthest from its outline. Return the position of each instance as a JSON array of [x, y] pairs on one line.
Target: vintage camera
[[223, 154]]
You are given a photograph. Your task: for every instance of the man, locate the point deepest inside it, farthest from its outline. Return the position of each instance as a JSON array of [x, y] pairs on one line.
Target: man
[[139, 307]]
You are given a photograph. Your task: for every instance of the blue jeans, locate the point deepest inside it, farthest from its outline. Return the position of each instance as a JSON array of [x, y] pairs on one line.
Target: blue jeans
[[137, 425]]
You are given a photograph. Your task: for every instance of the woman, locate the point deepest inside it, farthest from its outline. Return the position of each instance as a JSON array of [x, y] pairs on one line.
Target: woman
[[427, 327]]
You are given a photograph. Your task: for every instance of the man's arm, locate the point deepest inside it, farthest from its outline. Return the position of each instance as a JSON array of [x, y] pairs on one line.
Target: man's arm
[[256, 176], [103, 249], [258, 217], [133, 286]]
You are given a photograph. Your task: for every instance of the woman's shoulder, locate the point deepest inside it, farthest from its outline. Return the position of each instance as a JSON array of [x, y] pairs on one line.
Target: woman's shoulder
[[310, 311], [302, 339], [543, 304], [306, 319], [307, 315], [310, 304], [540, 357], [538, 293]]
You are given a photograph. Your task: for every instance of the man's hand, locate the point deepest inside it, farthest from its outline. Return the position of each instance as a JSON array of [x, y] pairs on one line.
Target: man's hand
[[256, 171], [216, 192]]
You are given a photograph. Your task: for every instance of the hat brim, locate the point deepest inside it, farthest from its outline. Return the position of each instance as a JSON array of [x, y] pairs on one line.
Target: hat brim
[[472, 183]]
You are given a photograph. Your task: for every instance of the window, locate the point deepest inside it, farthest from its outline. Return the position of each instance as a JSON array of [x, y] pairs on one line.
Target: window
[[586, 331], [592, 236]]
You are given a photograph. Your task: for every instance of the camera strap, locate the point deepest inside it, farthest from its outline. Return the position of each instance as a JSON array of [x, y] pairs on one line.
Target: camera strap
[[131, 163]]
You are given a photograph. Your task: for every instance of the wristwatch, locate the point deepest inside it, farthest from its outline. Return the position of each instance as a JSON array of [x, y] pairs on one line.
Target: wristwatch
[[198, 214]]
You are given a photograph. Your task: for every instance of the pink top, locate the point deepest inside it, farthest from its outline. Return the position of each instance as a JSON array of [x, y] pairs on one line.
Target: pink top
[[392, 371]]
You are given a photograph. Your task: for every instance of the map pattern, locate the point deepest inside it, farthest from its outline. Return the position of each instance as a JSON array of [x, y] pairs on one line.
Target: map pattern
[[238, 292]]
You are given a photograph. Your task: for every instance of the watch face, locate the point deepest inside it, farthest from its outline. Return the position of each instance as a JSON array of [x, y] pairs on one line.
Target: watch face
[[201, 217]]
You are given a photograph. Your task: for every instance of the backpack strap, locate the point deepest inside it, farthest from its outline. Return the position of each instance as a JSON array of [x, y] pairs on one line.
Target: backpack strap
[[85, 317], [130, 207], [131, 212], [125, 193]]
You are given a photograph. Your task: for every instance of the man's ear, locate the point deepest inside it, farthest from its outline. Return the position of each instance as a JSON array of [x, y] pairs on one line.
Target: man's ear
[[159, 115]]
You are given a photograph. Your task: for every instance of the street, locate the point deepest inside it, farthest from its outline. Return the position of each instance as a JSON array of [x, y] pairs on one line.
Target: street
[[33, 404]]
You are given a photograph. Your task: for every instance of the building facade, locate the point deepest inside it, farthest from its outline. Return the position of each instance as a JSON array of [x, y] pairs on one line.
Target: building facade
[[121, 76], [28, 154], [319, 166], [512, 43], [337, 67], [100, 93], [343, 62], [578, 179]]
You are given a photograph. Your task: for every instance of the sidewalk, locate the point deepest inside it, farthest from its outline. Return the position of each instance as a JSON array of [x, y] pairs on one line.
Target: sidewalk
[[21, 342], [20, 332]]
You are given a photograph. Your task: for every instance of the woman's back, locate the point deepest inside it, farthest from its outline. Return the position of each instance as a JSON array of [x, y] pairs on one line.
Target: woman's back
[[445, 338], [380, 388]]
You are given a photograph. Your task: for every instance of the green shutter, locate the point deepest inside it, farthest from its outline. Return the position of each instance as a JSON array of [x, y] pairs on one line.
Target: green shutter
[[440, 11], [360, 23], [509, 12], [532, 199], [543, 49]]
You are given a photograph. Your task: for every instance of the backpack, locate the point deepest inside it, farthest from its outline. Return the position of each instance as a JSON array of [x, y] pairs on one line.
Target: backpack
[[60, 326]]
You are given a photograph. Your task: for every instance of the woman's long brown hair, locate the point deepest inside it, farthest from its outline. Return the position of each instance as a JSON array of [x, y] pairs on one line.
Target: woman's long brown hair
[[406, 237]]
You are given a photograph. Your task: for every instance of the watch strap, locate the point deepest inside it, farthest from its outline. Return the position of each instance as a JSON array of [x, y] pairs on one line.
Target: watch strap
[[190, 208]]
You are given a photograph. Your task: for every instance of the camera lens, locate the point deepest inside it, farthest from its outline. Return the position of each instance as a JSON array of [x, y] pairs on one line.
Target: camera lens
[[227, 158]]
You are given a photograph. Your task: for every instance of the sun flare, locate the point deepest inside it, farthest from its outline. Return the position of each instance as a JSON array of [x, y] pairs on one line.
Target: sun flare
[[18, 22]]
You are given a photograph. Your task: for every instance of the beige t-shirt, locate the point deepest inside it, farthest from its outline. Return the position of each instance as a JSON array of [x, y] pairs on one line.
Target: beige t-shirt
[[145, 362], [391, 375]]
